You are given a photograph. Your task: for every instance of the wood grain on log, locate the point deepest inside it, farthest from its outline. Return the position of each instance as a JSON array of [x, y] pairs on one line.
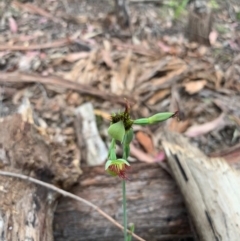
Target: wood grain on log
[[210, 188], [154, 205], [199, 22], [26, 209]]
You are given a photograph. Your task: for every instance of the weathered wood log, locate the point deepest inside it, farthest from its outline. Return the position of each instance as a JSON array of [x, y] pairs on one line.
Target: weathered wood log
[[210, 188], [26, 209], [199, 22], [154, 205]]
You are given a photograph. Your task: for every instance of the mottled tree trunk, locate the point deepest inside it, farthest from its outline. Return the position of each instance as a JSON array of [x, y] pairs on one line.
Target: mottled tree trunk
[[26, 209], [199, 22]]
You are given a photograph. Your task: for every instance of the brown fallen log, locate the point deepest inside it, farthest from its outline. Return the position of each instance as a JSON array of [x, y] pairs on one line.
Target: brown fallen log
[[210, 188], [26, 209], [154, 205]]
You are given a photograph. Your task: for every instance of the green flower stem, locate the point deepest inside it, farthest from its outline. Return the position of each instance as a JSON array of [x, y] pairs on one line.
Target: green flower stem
[[111, 152], [124, 210], [125, 156]]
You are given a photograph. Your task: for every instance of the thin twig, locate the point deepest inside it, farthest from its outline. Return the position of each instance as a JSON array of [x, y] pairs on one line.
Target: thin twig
[[70, 195], [53, 44], [58, 81], [36, 10]]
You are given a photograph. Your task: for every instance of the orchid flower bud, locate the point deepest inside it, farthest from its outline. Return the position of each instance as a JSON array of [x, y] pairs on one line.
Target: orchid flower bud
[[154, 119], [117, 131]]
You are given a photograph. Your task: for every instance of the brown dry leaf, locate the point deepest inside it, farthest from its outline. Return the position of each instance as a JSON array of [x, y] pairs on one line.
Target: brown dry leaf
[[12, 25], [158, 96], [165, 48], [198, 130], [125, 66], [103, 114], [152, 72], [36, 10], [202, 50], [213, 37], [106, 56], [174, 64], [90, 69], [219, 77], [169, 76], [75, 72], [146, 141], [130, 82], [204, 75], [119, 77], [72, 57], [83, 70], [107, 45], [140, 155], [178, 126], [194, 87]]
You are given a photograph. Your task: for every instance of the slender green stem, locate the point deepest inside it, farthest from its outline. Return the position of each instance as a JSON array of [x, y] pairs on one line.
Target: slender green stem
[[124, 210], [125, 156]]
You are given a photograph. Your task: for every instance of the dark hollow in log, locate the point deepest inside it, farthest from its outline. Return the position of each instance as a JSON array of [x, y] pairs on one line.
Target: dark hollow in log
[[154, 205]]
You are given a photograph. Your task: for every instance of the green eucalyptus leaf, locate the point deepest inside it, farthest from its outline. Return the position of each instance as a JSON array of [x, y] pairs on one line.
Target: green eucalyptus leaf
[[117, 131]]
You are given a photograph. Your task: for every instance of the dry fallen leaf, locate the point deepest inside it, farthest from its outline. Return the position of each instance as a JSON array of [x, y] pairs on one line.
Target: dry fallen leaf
[[170, 75], [178, 126], [12, 25], [119, 77], [158, 96], [194, 87], [198, 130], [160, 156], [213, 37], [72, 57], [146, 141], [103, 114], [131, 79], [140, 155], [106, 55]]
